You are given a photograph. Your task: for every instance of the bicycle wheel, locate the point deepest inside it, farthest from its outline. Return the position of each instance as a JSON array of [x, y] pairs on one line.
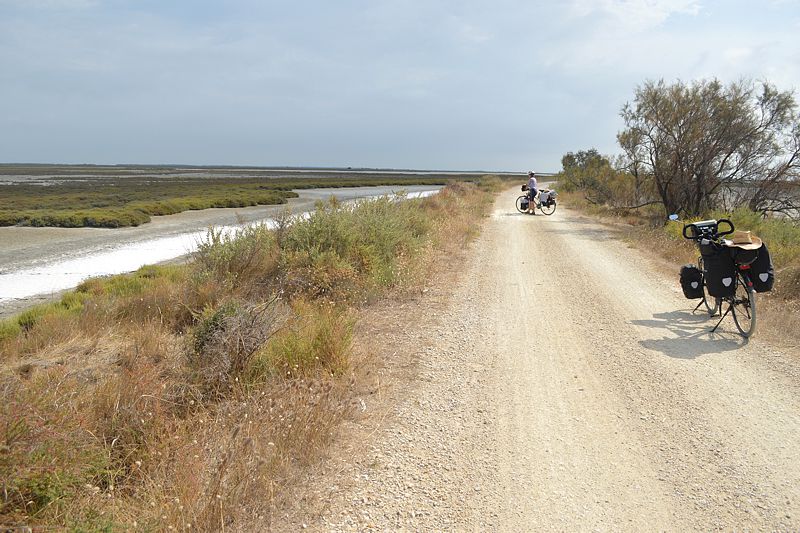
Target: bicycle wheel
[[713, 304], [744, 307], [519, 204], [548, 209]]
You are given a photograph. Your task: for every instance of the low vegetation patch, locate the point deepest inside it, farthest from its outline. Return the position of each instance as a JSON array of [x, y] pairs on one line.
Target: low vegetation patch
[[189, 397], [109, 202]]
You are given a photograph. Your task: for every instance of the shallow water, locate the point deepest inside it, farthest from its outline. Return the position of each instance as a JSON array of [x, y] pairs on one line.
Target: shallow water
[[59, 274]]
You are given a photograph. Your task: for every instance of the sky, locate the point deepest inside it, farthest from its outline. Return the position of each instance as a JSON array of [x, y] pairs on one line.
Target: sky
[[507, 85]]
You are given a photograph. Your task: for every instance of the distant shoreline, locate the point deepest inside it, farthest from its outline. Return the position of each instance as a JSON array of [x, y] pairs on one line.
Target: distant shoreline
[[254, 168]]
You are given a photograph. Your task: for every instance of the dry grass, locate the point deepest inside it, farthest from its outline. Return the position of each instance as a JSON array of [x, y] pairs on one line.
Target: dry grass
[[194, 396]]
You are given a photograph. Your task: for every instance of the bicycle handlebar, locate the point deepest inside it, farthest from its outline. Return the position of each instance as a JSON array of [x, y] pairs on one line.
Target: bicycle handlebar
[[730, 225], [707, 229]]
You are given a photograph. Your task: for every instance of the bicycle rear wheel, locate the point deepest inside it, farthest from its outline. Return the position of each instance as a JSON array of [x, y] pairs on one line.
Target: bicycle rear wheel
[[548, 209], [519, 204], [744, 308]]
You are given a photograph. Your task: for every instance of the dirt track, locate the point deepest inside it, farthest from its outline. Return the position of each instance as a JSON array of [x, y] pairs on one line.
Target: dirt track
[[563, 384]]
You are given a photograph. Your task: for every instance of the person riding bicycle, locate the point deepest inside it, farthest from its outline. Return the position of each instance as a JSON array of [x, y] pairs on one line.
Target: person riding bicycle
[[532, 191]]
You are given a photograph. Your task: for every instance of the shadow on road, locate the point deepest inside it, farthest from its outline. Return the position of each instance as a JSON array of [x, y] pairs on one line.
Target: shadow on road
[[689, 335], [516, 214]]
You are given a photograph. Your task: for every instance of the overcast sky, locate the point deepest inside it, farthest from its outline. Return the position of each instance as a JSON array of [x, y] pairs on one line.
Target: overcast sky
[[438, 84]]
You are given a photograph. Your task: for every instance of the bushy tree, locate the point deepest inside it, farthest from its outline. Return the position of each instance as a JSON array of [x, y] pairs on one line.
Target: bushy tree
[[705, 144], [600, 179], [582, 170]]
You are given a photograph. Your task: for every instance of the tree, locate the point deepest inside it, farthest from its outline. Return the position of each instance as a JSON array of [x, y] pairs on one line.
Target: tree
[[603, 181], [583, 170], [703, 144]]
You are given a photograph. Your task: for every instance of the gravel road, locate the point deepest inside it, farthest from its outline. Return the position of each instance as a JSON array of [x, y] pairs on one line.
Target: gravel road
[[559, 381]]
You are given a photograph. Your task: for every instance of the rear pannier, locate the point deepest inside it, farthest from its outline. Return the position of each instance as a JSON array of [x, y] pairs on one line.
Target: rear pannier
[[720, 274], [744, 257], [762, 273], [692, 282]]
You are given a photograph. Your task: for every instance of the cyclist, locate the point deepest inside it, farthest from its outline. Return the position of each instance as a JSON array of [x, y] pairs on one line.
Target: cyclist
[[532, 192]]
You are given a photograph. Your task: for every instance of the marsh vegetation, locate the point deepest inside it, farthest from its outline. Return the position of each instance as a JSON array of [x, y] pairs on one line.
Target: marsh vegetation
[[95, 197]]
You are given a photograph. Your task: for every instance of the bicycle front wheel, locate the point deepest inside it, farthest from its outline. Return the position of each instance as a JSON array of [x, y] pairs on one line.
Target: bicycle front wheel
[[744, 308], [519, 204], [712, 303], [548, 209]]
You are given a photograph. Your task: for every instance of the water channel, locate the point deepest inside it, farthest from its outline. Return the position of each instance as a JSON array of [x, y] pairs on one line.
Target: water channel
[[54, 260]]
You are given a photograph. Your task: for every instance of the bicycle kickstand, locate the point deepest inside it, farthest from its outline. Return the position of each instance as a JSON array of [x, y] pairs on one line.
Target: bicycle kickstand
[[697, 307], [721, 319]]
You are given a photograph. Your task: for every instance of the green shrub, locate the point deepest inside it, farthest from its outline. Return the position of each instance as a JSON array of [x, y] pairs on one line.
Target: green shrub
[[9, 328], [317, 338], [357, 247], [241, 259]]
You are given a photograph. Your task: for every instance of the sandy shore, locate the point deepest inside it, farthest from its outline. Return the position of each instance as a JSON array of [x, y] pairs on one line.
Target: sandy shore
[[26, 247]]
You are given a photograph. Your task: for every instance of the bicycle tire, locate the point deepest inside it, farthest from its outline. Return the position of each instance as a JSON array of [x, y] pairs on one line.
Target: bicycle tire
[[743, 308], [712, 304], [519, 201], [548, 210]]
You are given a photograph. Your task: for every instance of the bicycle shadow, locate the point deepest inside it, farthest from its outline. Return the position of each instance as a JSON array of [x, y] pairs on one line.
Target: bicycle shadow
[[689, 335]]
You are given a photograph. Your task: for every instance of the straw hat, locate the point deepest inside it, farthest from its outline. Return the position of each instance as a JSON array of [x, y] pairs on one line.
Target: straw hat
[[745, 240]]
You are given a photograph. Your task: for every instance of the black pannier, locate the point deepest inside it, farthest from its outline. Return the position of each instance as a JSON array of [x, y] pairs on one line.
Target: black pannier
[[762, 273], [720, 273], [692, 282]]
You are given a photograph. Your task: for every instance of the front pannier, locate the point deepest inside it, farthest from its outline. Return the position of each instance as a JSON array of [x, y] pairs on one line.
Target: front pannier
[[524, 204], [692, 282], [720, 274], [762, 273]]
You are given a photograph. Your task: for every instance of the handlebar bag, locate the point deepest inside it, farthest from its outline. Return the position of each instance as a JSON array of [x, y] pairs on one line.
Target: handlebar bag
[[691, 282], [708, 249], [762, 273], [720, 274]]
